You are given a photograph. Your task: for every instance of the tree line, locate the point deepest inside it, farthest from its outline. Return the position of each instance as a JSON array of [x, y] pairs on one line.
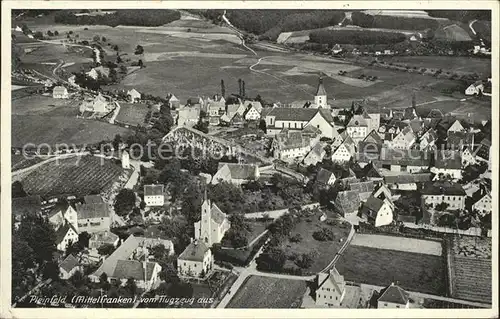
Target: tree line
[[135, 17], [355, 37], [461, 15], [391, 22]]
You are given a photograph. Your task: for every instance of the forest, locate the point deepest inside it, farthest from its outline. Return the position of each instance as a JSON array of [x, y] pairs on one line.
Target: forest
[[461, 15], [392, 22]]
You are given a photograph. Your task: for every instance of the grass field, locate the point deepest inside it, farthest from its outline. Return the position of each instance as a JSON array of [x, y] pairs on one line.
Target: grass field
[[401, 244], [266, 292], [44, 105], [133, 114], [76, 175], [58, 129], [324, 251], [414, 271]]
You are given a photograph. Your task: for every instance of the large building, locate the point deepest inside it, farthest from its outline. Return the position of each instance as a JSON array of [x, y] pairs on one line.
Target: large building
[[320, 98], [195, 261], [291, 145], [435, 193], [93, 215], [331, 288]]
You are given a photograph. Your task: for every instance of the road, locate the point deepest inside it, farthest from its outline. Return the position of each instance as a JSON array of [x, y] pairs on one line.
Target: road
[[471, 28], [341, 250], [240, 35], [277, 213]]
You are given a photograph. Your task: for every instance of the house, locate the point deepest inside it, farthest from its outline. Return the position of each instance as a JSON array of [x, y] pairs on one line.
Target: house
[[364, 189], [237, 120], [325, 177], [216, 108], [393, 296], [60, 92], [456, 127], [252, 112], [236, 173], [134, 95], [173, 101], [404, 140], [233, 109], [195, 101], [153, 195], [483, 150], [347, 203], [93, 215], [292, 145], [296, 119], [377, 212], [483, 202], [188, 116], [373, 139], [435, 114], [468, 158], [337, 49], [213, 224], [457, 140], [412, 161], [133, 248], [98, 239], [93, 74], [102, 71], [475, 88], [434, 193], [99, 104], [195, 261], [65, 235], [315, 156], [407, 182], [320, 98], [447, 163], [61, 213], [357, 128], [409, 114], [145, 274], [428, 140], [69, 266], [345, 151], [331, 288]]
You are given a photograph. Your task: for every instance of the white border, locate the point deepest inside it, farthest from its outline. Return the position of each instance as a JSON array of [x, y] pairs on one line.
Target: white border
[[5, 191]]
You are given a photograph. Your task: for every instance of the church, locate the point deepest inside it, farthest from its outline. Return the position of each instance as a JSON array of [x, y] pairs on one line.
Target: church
[[320, 98], [213, 224]]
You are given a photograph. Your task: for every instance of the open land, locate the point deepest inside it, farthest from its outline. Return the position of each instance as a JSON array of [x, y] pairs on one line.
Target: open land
[[133, 114], [267, 292], [414, 271], [400, 243], [77, 175]]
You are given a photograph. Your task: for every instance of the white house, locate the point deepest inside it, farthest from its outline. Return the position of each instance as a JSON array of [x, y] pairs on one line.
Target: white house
[[134, 95], [435, 193], [60, 92], [404, 140], [99, 104], [153, 195], [66, 234], [336, 49], [393, 297], [252, 113], [467, 157], [483, 205], [377, 211], [331, 288], [456, 127], [93, 74], [475, 88], [145, 274], [236, 173], [69, 266], [213, 224], [289, 145], [357, 128], [195, 261], [125, 160], [345, 151], [93, 215]]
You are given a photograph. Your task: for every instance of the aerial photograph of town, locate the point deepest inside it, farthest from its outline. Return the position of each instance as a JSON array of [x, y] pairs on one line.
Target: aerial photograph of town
[[252, 158]]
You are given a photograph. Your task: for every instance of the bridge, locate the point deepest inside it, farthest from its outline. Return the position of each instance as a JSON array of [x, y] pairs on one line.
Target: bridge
[[187, 136]]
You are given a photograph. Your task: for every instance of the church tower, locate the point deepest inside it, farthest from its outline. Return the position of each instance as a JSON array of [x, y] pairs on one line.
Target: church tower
[[206, 221], [320, 99]]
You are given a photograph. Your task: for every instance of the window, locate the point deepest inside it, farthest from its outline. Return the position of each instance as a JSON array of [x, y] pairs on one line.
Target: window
[[385, 304]]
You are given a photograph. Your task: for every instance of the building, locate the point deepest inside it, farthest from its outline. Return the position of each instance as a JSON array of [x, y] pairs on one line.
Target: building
[[66, 235], [336, 49], [325, 177], [297, 119], [93, 215], [475, 88], [195, 261], [345, 151], [173, 101], [290, 145], [435, 193], [188, 116], [145, 274], [69, 266], [99, 104], [404, 140], [483, 201], [347, 203], [252, 112], [236, 173], [377, 212], [315, 156], [412, 161], [233, 109], [92, 74], [213, 224], [98, 239], [125, 160], [153, 195], [62, 213], [60, 92], [407, 182], [357, 128], [467, 157], [320, 98], [331, 288], [133, 95], [428, 140], [456, 127], [393, 296], [447, 163]]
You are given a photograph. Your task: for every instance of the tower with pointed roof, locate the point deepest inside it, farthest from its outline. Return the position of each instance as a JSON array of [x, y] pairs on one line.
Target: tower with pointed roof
[[213, 224], [320, 98]]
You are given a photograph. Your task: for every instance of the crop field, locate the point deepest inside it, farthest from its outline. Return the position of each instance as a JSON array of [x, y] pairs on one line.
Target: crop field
[[77, 175], [402, 244], [323, 251], [267, 292], [61, 129], [414, 271], [44, 105], [46, 52], [20, 161], [132, 114]]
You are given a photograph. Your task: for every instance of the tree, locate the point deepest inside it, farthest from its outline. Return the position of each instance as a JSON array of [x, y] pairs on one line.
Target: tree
[[18, 190], [240, 90], [124, 202], [140, 64], [96, 38], [113, 76], [324, 234], [271, 259], [180, 289], [123, 69], [119, 60], [117, 142], [50, 34], [103, 39], [115, 47], [139, 50], [106, 249], [222, 88], [50, 270], [297, 238], [263, 126], [56, 33], [38, 35], [442, 206], [305, 260], [413, 100], [243, 92]]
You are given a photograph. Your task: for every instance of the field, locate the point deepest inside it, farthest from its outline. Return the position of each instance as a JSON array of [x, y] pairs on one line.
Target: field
[[20, 161], [77, 175], [44, 105], [324, 251], [472, 268], [401, 244], [60, 129], [414, 271], [50, 53], [133, 114], [266, 292]]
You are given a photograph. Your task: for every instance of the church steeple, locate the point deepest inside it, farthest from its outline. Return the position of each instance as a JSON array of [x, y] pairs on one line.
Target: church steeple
[[320, 98]]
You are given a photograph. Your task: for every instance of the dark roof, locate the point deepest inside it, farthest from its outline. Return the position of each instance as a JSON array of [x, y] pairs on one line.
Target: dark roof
[[369, 147], [26, 205], [153, 190], [443, 188], [69, 263], [407, 219], [347, 201], [241, 171], [195, 251], [291, 139], [448, 159], [296, 114], [407, 178], [62, 231], [409, 113], [133, 269], [321, 88], [394, 157], [416, 125], [371, 207], [394, 294], [87, 211], [362, 187], [373, 137], [458, 139], [435, 114], [323, 176], [93, 199]]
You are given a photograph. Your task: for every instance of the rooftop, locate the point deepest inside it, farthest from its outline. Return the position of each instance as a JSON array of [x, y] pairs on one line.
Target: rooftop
[[153, 190], [195, 251], [394, 294], [92, 210], [69, 263], [133, 269], [443, 188]]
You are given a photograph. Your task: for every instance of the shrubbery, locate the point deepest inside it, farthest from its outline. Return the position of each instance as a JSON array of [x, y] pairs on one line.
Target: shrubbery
[[324, 234], [331, 37]]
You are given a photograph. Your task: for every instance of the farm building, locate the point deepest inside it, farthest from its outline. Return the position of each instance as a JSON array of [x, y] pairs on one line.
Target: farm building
[[195, 261], [331, 288], [153, 195], [69, 266], [475, 88], [60, 92]]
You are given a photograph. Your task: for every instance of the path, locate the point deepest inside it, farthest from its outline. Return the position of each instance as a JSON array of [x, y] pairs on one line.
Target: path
[[471, 28], [341, 250], [240, 35], [51, 159]]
